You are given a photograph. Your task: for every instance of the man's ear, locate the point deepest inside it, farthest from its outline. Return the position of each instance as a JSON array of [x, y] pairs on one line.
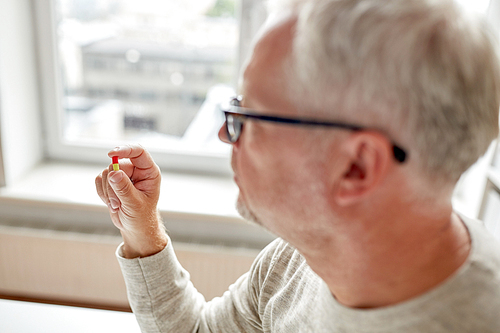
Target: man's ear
[[369, 160]]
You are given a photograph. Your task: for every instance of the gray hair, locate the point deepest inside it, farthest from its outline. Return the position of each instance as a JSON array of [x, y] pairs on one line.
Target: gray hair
[[421, 71]]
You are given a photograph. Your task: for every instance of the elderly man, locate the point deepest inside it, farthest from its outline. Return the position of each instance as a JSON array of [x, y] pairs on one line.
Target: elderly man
[[357, 118]]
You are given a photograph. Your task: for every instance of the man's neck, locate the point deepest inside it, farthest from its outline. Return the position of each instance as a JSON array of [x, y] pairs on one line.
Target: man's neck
[[390, 262]]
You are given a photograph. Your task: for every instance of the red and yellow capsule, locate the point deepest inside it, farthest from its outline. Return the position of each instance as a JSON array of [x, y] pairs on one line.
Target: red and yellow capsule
[[116, 166]]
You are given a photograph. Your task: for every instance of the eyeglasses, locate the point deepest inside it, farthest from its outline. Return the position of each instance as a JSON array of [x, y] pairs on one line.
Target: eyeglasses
[[236, 115]]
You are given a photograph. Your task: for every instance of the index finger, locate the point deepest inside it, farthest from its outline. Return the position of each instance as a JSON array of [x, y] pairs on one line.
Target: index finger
[[139, 156]]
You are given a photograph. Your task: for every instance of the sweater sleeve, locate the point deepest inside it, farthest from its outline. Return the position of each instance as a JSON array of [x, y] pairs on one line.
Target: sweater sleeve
[[163, 298]]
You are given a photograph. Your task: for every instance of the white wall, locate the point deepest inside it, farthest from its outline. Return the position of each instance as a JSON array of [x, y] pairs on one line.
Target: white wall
[[19, 109]]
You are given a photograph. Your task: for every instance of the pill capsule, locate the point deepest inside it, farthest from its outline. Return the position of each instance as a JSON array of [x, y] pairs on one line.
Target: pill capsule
[[116, 166]]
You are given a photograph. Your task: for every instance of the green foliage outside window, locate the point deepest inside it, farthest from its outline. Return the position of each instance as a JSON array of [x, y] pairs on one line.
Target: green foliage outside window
[[222, 8]]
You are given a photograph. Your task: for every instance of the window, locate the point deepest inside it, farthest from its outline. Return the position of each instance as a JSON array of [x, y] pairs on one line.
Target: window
[[116, 71], [37, 193], [149, 72]]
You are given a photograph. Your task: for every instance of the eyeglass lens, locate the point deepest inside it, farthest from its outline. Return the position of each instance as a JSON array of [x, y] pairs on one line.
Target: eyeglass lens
[[233, 127]]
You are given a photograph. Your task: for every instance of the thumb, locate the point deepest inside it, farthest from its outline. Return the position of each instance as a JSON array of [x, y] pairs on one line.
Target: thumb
[[122, 187]]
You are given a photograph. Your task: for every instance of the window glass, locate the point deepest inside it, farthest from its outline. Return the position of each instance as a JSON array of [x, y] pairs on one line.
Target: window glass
[[149, 71]]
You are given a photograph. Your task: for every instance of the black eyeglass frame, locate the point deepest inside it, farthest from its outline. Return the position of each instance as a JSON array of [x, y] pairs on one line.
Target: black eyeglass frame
[[235, 119]]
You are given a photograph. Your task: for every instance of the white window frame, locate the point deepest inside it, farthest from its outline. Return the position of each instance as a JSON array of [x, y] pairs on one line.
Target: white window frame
[[252, 14]]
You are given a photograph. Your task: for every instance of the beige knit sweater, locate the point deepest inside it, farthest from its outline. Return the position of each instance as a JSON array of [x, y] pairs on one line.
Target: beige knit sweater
[[281, 293]]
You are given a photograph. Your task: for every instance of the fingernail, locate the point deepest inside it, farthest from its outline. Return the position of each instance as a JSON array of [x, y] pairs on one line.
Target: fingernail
[[115, 204], [114, 150], [115, 177]]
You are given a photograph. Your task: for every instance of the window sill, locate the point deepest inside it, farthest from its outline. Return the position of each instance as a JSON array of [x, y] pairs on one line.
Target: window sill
[[62, 196]]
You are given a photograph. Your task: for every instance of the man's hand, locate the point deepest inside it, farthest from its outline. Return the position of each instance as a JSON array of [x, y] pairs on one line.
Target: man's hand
[[131, 194]]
